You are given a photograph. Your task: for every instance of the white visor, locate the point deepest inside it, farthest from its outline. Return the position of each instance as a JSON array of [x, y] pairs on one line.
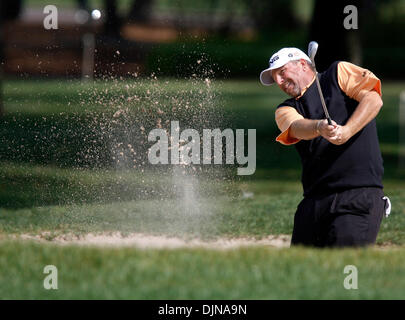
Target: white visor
[[279, 59]]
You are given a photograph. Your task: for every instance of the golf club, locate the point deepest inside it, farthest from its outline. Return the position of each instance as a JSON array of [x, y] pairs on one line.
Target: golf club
[[312, 49]]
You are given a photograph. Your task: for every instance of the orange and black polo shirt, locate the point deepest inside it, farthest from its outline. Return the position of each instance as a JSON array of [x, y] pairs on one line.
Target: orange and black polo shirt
[[329, 168]]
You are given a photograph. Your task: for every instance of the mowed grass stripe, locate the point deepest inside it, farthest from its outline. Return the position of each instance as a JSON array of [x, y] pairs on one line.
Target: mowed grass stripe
[[250, 273], [37, 199]]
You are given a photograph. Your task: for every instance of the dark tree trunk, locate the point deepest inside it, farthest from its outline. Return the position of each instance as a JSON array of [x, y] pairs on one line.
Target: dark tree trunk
[[327, 28], [83, 4], [9, 10], [1, 66], [1, 92], [113, 22], [140, 11], [272, 15]]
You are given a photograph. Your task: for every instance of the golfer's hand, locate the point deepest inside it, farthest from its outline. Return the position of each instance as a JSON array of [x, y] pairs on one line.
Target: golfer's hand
[[325, 130], [340, 135]]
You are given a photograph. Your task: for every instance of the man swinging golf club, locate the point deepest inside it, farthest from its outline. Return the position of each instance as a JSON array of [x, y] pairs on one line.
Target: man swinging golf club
[[342, 166]]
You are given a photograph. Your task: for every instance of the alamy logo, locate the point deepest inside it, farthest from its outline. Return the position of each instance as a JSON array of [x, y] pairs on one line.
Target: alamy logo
[[351, 21], [51, 20], [51, 280], [185, 147], [351, 281]]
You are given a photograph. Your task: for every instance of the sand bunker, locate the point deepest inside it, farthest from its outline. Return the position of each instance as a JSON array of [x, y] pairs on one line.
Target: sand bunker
[[145, 241]]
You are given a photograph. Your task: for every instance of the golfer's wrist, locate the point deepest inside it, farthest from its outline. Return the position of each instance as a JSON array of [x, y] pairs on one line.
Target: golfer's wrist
[[350, 131], [317, 126]]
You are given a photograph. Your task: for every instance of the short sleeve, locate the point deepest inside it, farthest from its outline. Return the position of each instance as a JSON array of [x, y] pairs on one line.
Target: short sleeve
[[356, 81], [285, 116]]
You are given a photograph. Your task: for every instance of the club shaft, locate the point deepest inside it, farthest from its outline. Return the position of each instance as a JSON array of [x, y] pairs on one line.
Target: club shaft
[[312, 49], [322, 99]]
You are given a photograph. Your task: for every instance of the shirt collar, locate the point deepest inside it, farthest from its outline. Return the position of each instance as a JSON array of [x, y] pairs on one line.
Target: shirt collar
[[306, 88]]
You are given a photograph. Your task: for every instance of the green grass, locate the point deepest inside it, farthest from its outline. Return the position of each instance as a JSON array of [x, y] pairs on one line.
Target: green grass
[[57, 177], [205, 217], [254, 273], [40, 199]]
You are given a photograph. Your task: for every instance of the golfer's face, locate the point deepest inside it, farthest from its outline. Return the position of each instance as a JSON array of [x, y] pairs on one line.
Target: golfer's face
[[287, 78]]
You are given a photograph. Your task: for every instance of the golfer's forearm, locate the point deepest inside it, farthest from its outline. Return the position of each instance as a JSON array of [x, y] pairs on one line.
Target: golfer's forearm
[[366, 111], [304, 129]]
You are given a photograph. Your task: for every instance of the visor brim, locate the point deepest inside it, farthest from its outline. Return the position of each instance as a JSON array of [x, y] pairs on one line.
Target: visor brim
[[265, 77]]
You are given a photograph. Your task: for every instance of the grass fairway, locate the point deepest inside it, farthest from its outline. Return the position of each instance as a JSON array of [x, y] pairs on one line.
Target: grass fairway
[[64, 171], [254, 273]]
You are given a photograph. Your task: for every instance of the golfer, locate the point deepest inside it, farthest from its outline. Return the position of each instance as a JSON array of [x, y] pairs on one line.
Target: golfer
[[342, 167]]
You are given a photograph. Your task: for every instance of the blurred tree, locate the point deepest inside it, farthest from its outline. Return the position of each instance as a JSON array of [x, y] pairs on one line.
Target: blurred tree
[[141, 10], [9, 10], [271, 15], [112, 22], [1, 67], [327, 28], [228, 7], [83, 4]]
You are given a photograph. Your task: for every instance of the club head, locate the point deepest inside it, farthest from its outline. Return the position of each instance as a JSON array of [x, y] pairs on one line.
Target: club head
[[312, 49]]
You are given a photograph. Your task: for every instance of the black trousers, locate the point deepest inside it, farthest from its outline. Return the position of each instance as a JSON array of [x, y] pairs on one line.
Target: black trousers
[[350, 218]]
